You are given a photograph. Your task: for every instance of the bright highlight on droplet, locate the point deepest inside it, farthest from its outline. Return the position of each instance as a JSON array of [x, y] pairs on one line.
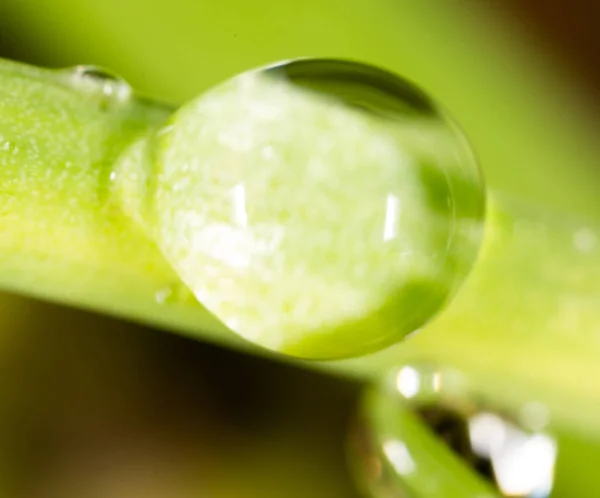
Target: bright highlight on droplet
[[408, 382], [398, 454], [240, 215], [392, 217], [488, 434], [523, 463]]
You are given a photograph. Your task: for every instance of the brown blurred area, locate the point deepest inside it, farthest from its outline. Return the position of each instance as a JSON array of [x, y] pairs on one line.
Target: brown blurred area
[[95, 407], [570, 29]]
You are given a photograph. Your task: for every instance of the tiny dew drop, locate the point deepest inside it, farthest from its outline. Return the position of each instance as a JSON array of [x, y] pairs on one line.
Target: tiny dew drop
[[429, 431], [171, 294], [97, 83], [8, 147], [163, 295]]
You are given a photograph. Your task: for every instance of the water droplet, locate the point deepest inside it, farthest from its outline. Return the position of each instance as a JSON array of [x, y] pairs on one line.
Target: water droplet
[[9, 147], [163, 295], [98, 83], [287, 198], [175, 293], [430, 433]]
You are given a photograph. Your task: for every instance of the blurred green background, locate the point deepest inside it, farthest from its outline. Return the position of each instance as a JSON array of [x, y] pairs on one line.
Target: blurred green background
[[97, 408]]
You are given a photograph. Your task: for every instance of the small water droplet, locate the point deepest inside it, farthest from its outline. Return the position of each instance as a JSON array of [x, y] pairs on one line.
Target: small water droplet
[[175, 293], [9, 147], [6, 146], [100, 84], [163, 295], [427, 429]]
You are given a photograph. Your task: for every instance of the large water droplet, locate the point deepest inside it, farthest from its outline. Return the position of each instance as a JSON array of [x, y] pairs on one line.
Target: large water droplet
[[428, 433], [319, 208], [97, 83]]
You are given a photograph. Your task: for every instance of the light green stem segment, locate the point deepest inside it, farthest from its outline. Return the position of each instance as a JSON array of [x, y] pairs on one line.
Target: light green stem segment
[[527, 318], [61, 238]]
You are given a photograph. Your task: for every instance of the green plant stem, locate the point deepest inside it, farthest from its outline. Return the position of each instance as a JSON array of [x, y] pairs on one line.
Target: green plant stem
[[525, 325], [526, 322], [61, 238]]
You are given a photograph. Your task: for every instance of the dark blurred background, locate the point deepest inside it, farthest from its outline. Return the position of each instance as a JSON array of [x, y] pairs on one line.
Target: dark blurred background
[[569, 30]]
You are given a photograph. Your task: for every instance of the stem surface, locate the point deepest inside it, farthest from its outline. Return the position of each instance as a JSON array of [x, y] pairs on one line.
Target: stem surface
[[531, 302]]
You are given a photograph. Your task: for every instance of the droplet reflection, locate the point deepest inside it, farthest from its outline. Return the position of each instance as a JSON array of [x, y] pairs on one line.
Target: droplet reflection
[[430, 434]]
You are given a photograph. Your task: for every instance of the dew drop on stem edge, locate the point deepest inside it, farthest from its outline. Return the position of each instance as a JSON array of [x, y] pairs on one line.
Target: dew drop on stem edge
[[98, 84]]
